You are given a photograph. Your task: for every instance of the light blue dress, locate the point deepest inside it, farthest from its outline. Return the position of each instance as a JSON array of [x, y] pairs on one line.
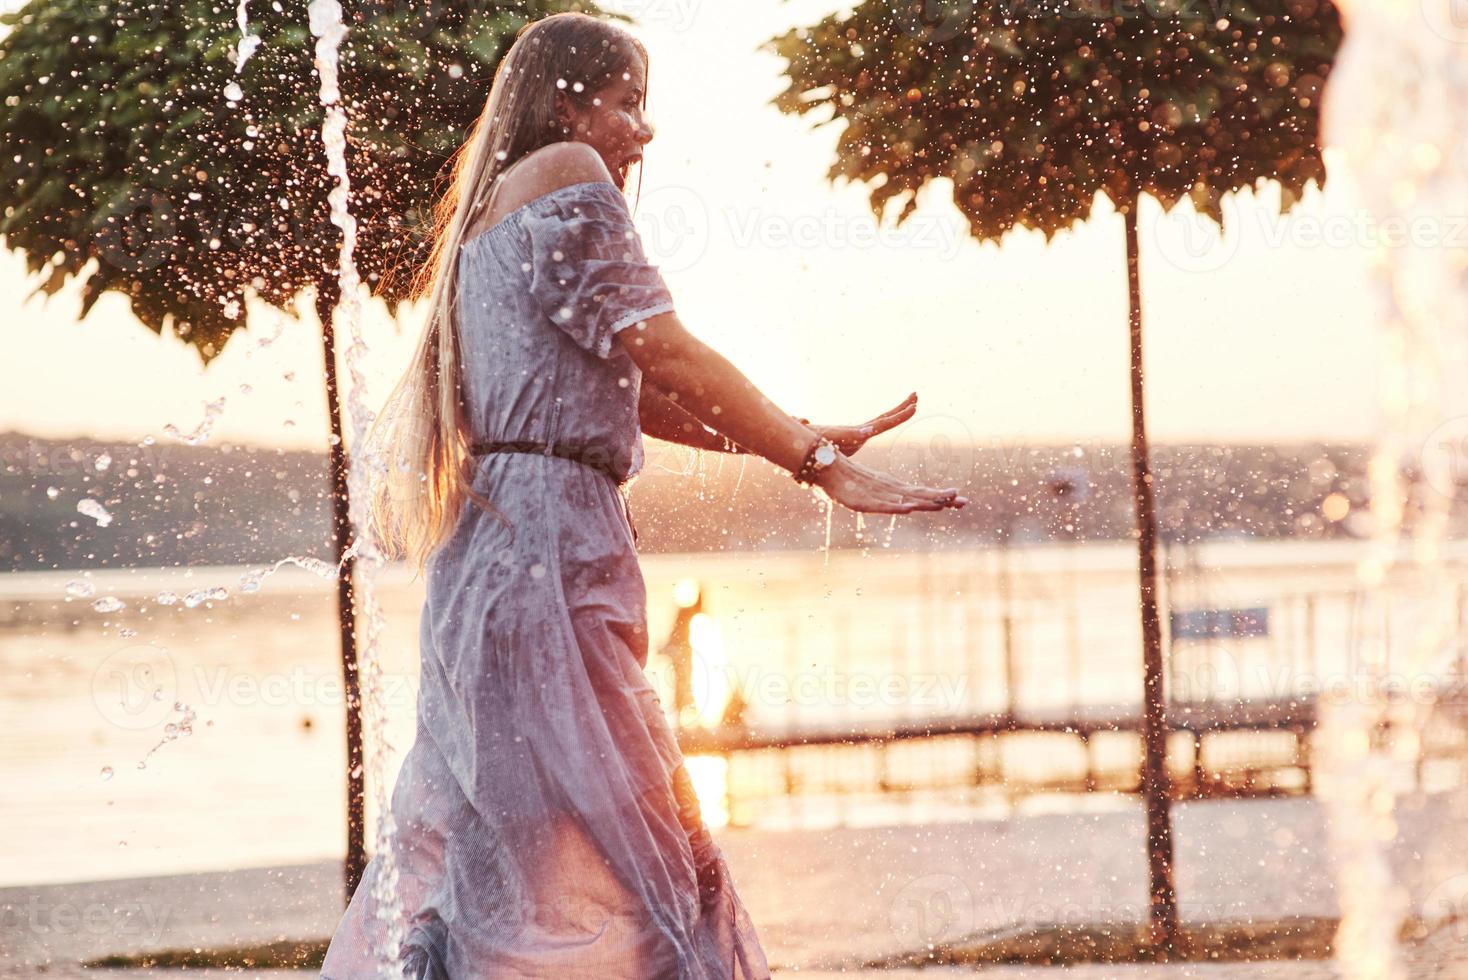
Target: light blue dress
[[546, 825]]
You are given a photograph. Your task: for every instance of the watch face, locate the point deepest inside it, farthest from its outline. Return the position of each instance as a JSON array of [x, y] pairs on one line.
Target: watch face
[[825, 455]]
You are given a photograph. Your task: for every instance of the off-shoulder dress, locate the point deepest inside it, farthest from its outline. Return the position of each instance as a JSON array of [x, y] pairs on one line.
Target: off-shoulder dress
[[546, 826]]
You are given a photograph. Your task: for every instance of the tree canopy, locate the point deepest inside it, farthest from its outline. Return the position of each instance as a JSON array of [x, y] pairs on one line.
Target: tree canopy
[[130, 146], [1033, 107]]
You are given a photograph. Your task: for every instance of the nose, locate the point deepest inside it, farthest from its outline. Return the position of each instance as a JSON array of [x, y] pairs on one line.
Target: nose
[[645, 133]]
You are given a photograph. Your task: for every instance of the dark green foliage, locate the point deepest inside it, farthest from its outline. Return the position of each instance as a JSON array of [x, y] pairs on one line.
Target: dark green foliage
[[122, 150], [1032, 107]]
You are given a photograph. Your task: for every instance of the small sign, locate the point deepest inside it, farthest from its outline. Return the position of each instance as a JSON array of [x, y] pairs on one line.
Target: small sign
[[1209, 624]]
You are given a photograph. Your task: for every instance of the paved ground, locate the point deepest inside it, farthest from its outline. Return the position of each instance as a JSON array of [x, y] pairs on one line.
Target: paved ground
[[824, 900]]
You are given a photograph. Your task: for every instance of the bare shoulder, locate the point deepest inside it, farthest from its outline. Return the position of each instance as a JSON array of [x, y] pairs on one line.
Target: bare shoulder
[[548, 169]]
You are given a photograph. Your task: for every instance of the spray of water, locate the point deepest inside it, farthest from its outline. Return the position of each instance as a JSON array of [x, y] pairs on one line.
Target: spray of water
[[203, 430], [327, 27], [1397, 113], [248, 42]]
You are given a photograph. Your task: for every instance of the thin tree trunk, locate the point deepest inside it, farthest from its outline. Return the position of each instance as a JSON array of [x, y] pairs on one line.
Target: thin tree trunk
[[1155, 789], [327, 294]]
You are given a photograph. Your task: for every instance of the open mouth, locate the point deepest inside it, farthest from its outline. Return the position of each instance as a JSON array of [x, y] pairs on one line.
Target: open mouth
[[626, 165]]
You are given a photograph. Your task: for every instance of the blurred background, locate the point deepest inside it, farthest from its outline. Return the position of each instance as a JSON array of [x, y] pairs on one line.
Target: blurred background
[[168, 620]]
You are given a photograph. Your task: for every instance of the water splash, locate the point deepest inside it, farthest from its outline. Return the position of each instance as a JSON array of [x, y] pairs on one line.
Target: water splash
[[251, 581], [248, 42], [1397, 110], [212, 411], [95, 511], [325, 18], [173, 730], [830, 506], [200, 596]]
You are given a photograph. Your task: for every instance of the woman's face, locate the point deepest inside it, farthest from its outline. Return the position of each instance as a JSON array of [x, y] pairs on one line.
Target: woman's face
[[613, 124]]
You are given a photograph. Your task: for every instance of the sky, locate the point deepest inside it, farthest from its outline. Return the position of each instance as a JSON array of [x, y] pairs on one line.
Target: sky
[[1266, 333]]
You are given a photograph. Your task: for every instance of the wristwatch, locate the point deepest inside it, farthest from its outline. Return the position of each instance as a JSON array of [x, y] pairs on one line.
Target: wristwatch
[[821, 454]]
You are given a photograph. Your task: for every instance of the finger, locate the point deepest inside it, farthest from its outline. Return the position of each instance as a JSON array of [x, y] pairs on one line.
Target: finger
[[895, 485], [905, 410]]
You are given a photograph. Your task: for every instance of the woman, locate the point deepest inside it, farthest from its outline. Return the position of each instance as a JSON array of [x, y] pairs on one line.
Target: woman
[[545, 823]]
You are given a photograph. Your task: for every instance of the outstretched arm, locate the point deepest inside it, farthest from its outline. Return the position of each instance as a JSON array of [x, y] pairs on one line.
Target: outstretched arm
[[663, 419], [705, 386], [703, 382]]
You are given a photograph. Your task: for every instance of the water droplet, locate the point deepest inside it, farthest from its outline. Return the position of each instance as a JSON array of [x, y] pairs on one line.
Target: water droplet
[[200, 596], [52, 493], [109, 603], [233, 92], [103, 461], [79, 589], [537, 570], [94, 510], [106, 773]]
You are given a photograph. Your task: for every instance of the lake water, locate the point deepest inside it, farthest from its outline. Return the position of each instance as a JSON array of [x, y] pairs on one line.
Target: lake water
[[92, 787]]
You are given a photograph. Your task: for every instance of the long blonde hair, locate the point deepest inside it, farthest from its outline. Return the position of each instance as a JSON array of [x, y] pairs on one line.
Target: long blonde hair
[[418, 446]]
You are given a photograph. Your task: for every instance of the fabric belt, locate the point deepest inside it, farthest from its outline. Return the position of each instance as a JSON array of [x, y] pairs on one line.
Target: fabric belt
[[596, 457]]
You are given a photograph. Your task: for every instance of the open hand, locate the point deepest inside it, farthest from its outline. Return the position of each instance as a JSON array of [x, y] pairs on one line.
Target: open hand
[[850, 438], [862, 488]]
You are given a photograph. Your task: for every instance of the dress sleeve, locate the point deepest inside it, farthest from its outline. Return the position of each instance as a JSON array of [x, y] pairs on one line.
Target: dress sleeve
[[589, 273]]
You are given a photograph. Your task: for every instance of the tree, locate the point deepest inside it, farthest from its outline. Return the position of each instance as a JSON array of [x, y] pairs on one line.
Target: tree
[[142, 158], [1034, 109]]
